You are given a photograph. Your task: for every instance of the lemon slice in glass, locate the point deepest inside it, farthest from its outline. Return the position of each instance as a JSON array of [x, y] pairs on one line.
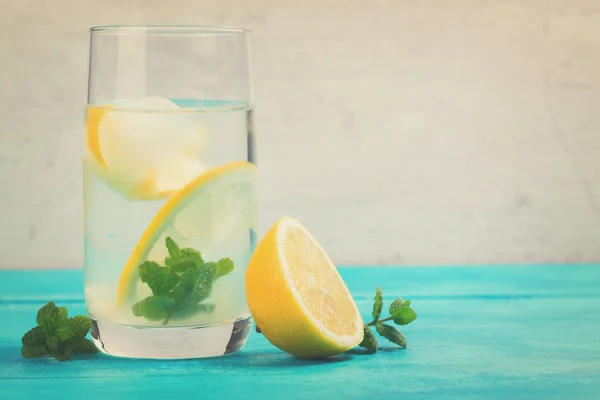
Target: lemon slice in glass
[[146, 148], [212, 214]]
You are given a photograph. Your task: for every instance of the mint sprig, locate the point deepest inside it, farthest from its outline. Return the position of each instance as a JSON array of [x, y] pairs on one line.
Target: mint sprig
[[57, 335], [180, 285], [400, 314]]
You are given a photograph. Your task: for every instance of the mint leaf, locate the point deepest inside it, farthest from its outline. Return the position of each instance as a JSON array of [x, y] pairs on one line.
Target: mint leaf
[[186, 286], [200, 293], [404, 315], [173, 248], [169, 261], [194, 287], [213, 266], [52, 342], [401, 312], [369, 341], [206, 276], [34, 337], [56, 334], [31, 351], [149, 271], [63, 352], [224, 267], [48, 317], [154, 308], [168, 281], [377, 305], [206, 273], [159, 279], [85, 346], [186, 280], [396, 304], [392, 334], [80, 325], [176, 254], [196, 283], [65, 331], [184, 264], [192, 254]]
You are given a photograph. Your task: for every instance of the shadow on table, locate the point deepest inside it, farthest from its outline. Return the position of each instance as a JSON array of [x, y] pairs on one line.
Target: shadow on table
[[277, 360], [363, 352]]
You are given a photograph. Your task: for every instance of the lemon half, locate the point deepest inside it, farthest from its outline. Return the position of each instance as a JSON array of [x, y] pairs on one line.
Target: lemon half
[[297, 297]]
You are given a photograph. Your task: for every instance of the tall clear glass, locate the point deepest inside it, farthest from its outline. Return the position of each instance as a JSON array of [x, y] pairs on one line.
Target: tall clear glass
[[169, 190]]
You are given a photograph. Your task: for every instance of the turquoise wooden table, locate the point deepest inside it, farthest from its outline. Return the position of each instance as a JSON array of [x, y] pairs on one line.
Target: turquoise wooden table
[[482, 333]]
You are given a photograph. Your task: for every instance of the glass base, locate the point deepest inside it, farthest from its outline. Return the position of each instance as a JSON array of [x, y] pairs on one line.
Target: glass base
[[171, 343]]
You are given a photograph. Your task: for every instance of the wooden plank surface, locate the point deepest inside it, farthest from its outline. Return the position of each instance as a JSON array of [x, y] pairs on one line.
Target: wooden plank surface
[[528, 332]]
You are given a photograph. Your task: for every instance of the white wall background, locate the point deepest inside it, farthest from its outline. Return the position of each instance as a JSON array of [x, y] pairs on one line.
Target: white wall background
[[399, 132]]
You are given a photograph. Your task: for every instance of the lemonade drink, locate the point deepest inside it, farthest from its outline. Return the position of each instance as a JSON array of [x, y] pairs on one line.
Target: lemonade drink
[[170, 218], [169, 190]]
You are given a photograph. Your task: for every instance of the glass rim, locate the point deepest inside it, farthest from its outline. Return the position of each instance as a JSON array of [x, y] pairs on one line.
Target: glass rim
[[168, 28]]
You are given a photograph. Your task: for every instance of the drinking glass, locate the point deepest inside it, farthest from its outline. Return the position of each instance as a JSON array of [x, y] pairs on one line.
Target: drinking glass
[[169, 190]]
